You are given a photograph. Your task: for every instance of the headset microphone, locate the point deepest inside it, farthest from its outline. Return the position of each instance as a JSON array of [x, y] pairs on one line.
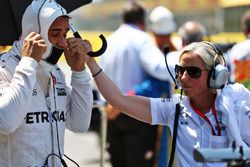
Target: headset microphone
[[177, 113], [165, 51]]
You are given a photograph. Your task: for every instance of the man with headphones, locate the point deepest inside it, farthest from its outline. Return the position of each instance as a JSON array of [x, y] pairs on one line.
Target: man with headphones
[[205, 107]]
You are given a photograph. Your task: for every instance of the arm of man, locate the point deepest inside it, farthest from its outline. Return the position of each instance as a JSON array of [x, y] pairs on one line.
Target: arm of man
[[16, 96], [80, 103]]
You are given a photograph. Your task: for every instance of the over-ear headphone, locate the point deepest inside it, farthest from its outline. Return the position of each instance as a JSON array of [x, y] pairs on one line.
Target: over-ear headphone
[[219, 74]]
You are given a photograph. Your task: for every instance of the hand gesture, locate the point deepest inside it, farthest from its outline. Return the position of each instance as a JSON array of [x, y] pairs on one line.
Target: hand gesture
[[76, 52], [34, 46]]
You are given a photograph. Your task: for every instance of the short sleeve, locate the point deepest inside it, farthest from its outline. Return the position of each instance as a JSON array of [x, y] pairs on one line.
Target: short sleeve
[[161, 110]]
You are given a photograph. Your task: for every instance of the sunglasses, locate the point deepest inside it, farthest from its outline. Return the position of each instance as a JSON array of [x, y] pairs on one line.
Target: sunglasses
[[193, 71]]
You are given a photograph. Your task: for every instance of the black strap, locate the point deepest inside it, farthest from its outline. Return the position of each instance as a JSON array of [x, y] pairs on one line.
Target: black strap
[[53, 154], [176, 118], [72, 160]]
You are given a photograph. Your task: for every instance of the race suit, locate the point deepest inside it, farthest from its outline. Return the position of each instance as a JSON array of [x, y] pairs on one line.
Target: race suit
[[29, 128], [36, 106]]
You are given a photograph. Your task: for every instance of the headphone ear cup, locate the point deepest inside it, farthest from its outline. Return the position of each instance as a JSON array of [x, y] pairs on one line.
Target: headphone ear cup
[[218, 77]]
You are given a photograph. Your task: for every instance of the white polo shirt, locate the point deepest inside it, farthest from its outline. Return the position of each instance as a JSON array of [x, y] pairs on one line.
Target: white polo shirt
[[193, 131]]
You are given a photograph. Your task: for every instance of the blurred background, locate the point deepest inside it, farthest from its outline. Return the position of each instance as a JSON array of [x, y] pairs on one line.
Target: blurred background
[[215, 15], [220, 17]]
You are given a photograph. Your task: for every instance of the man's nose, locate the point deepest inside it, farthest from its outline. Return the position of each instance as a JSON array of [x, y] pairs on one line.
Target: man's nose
[[185, 75], [61, 43]]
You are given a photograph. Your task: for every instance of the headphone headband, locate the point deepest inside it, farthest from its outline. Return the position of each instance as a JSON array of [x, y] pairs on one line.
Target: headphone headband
[[217, 50], [219, 74]]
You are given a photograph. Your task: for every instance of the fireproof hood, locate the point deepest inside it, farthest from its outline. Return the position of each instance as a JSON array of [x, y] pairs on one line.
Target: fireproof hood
[[38, 17]]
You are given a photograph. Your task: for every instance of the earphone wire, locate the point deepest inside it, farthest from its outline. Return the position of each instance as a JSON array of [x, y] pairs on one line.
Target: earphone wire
[[71, 160], [57, 138]]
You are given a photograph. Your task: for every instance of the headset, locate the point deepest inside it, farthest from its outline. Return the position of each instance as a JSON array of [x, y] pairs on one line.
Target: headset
[[217, 78], [177, 113], [218, 74]]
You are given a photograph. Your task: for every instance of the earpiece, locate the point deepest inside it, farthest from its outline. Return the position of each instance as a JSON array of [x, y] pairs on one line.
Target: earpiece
[[219, 74]]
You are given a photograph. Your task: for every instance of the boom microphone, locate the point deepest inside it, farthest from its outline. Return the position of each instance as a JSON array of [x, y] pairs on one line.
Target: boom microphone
[[165, 51]]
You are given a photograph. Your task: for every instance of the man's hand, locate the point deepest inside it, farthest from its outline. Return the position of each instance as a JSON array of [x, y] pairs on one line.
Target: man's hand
[[34, 46], [76, 52]]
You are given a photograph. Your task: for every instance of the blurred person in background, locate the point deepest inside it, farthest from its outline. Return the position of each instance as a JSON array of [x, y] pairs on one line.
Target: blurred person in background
[[190, 31], [162, 26], [239, 55], [130, 56]]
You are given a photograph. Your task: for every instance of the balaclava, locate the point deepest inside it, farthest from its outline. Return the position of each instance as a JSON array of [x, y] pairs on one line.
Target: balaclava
[[38, 17]]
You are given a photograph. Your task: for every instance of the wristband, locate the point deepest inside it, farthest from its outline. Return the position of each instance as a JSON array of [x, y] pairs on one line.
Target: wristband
[[94, 75]]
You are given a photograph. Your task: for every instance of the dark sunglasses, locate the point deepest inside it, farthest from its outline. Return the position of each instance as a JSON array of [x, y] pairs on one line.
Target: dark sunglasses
[[193, 72]]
